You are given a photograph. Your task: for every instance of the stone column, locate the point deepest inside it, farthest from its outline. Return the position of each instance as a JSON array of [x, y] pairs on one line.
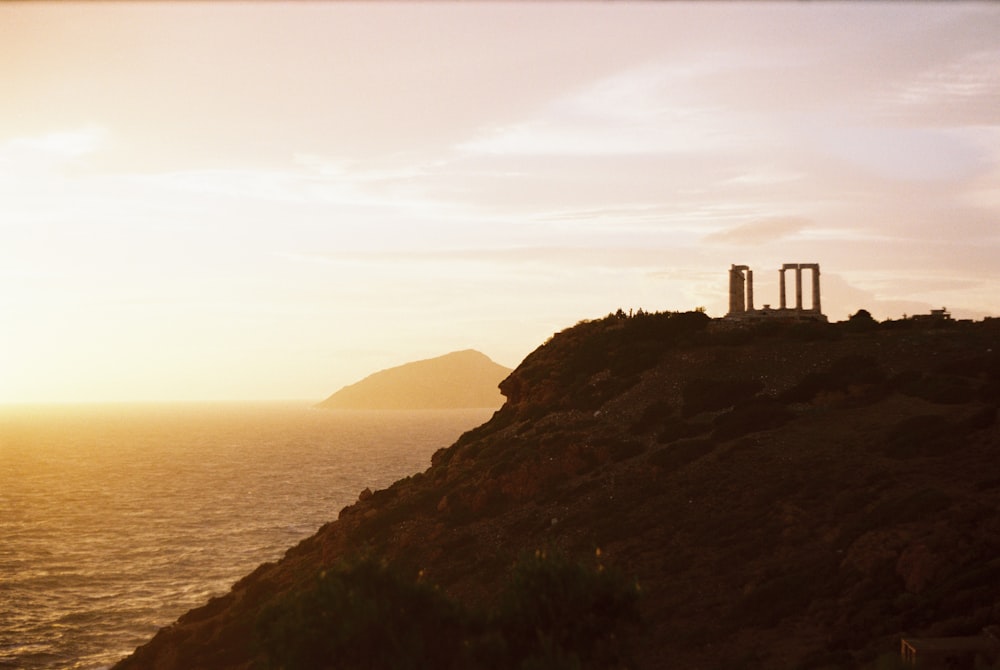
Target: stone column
[[749, 290], [815, 286], [781, 279], [736, 304], [798, 288]]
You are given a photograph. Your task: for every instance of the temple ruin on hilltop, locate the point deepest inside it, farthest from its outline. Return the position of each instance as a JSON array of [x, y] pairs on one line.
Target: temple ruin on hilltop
[[741, 295]]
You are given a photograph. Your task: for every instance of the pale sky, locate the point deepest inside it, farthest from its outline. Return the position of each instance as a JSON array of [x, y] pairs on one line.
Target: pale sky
[[264, 201]]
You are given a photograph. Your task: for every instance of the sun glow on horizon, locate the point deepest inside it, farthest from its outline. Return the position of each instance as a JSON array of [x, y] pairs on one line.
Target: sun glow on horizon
[[262, 200]]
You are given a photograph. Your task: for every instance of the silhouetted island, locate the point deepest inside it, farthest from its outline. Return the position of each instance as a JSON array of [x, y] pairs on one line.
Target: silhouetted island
[[459, 380], [785, 494]]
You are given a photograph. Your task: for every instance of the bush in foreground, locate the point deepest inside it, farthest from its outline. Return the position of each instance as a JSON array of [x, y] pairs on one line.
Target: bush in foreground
[[554, 613]]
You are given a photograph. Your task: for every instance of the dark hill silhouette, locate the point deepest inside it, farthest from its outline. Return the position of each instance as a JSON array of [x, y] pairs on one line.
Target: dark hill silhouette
[[787, 495], [461, 379]]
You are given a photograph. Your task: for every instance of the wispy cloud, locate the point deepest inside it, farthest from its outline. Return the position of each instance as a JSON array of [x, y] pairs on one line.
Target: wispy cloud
[[765, 176], [907, 153], [54, 152], [759, 232], [966, 89], [641, 110], [60, 144]]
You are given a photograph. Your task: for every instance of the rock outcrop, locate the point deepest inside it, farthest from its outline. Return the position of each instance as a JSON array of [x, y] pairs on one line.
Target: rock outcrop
[[459, 380], [787, 495]]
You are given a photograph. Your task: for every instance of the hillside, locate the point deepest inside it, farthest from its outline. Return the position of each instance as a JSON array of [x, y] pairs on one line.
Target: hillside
[[786, 495], [458, 380]]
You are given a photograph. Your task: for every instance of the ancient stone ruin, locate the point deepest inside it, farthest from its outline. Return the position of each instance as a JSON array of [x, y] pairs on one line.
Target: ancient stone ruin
[[741, 295]]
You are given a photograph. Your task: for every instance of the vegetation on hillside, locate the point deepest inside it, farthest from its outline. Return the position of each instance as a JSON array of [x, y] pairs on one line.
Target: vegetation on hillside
[[553, 613]]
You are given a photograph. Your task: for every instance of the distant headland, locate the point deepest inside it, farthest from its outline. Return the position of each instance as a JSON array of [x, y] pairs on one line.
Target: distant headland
[[459, 380]]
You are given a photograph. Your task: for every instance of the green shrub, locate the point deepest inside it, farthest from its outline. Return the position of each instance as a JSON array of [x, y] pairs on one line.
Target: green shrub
[[555, 613], [669, 327], [861, 321], [559, 613], [363, 615]]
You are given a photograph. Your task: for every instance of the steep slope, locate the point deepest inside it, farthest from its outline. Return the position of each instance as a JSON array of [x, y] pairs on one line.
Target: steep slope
[[457, 380], [788, 495]]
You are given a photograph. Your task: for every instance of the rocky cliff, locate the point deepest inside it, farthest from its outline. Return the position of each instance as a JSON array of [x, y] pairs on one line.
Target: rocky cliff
[[787, 495], [457, 380]]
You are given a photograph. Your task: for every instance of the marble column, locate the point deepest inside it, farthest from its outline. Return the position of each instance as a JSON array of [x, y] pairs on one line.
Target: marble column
[[798, 288], [816, 306], [781, 280], [736, 302], [814, 267]]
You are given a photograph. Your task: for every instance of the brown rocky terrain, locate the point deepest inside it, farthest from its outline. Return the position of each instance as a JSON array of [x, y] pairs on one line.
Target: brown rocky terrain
[[788, 495]]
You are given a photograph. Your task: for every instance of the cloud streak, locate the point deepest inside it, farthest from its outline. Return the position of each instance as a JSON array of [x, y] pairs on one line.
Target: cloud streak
[[759, 232]]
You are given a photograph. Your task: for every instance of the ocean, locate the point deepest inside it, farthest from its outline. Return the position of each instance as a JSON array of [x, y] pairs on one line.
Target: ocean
[[117, 519]]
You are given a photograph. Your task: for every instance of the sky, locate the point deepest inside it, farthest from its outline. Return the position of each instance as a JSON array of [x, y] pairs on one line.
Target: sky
[[242, 201]]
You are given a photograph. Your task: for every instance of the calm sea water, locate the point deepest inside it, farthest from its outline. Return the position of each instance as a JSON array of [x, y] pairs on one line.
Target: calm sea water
[[115, 520]]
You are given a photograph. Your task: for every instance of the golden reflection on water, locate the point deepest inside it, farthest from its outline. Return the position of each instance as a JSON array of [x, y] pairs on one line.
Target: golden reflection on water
[[116, 519]]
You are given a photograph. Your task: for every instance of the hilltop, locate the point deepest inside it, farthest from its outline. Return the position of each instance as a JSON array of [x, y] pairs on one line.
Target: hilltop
[[459, 380], [788, 495]]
